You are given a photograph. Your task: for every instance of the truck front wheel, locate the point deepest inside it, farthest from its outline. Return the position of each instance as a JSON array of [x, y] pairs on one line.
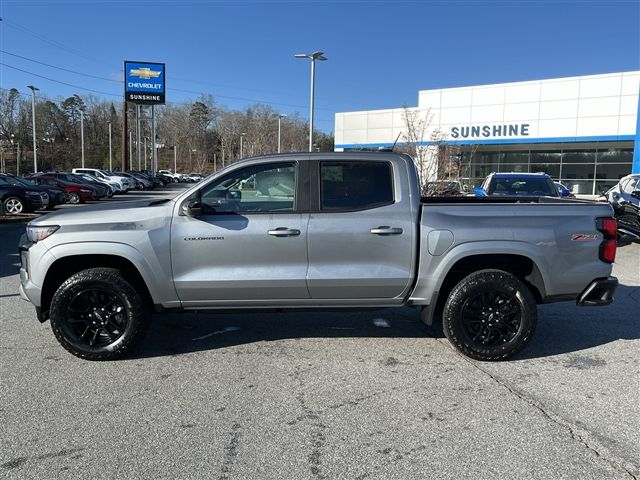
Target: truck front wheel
[[489, 315], [98, 315]]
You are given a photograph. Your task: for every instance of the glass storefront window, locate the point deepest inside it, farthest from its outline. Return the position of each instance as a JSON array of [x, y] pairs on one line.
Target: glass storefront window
[[551, 169], [603, 186], [480, 170], [545, 157], [577, 171], [612, 171], [515, 157], [613, 155], [514, 167], [579, 187], [579, 156]]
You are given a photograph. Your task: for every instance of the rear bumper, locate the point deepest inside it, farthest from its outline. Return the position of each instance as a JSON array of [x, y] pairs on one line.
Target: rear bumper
[[598, 293]]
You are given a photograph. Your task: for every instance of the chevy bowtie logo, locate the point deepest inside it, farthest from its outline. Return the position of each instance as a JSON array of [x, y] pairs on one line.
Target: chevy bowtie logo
[[144, 72]]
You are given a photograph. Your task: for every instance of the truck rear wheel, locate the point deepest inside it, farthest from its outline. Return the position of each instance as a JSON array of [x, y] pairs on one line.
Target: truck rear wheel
[[98, 315], [489, 315]]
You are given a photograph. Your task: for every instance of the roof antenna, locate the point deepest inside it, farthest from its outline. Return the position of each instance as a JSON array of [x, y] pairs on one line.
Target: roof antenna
[[394, 143]]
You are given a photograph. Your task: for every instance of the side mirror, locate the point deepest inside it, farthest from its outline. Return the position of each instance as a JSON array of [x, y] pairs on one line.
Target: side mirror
[[193, 208], [480, 192], [234, 195], [636, 194]]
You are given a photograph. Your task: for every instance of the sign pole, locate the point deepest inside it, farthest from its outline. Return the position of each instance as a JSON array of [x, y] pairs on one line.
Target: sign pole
[[123, 137], [153, 139], [138, 134]]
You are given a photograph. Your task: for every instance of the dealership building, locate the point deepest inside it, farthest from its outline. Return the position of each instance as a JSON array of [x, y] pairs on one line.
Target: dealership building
[[583, 131]]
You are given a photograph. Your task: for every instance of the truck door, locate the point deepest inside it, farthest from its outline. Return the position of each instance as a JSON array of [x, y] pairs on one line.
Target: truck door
[[249, 244], [361, 231]]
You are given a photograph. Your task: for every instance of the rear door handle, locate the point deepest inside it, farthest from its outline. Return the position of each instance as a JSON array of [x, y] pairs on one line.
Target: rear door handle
[[284, 232], [384, 230]]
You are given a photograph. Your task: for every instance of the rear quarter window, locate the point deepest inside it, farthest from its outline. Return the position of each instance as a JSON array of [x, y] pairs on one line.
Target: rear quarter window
[[347, 186]]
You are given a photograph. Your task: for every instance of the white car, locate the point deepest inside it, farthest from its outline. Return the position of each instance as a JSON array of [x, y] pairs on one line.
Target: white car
[[124, 183], [175, 176]]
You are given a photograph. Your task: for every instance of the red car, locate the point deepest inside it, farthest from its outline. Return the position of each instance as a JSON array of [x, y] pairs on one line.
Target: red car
[[76, 193]]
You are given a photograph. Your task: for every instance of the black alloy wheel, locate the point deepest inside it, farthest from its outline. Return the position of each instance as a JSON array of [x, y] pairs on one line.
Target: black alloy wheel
[[489, 315], [96, 317], [97, 314], [491, 318]]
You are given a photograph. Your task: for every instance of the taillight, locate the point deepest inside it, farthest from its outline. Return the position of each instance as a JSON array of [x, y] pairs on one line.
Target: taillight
[[609, 228]]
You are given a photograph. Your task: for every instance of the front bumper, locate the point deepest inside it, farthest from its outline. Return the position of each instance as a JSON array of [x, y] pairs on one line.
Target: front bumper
[[598, 293]]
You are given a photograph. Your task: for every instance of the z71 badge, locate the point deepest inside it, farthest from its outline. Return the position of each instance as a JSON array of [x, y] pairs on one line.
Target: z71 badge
[[584, 237]]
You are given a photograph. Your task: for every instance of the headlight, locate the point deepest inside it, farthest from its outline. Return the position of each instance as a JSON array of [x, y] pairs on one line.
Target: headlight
[[85, 191], [37, 233], [32, 193]]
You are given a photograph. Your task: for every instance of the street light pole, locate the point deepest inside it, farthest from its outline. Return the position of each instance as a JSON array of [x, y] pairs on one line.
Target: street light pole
[[313, 57], [33, 116], [241, 152], [280, 117], [82, 135], [110, 158], [175, 158]]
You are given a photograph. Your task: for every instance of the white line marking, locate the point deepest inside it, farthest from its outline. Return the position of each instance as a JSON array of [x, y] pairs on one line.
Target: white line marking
[[381, 322], [218, 332]]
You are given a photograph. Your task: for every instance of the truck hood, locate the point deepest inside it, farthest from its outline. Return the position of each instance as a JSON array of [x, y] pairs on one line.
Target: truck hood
[[114, 212]]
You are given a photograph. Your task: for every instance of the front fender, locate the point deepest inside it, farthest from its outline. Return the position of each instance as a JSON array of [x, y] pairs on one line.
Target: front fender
[[155, 271]]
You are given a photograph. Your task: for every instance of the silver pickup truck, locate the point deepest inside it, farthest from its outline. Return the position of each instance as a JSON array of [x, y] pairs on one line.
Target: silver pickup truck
[[335, 230]]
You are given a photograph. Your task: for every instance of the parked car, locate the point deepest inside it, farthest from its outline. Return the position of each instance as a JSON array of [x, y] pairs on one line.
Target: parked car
[[442, 188], [77, 193], [19, 199], [327, 230], [100, 188], [57, 196], [563, 190], [138, 183], [518, 185], [124, 183], [195, 177], [148, 182], [176, 177], [626, 190]]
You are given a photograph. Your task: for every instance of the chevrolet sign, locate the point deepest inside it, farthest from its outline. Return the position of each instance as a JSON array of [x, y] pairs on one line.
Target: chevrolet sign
[[144, 82]]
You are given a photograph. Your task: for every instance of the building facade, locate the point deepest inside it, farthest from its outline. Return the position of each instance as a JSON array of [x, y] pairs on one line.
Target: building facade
[[583, 131]]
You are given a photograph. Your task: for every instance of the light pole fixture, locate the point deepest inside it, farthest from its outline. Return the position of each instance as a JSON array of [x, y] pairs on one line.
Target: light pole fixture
[[313, 57], [33, 116], [82, 136], [175, 158], [280, 117], [110, 165], [241, 138]]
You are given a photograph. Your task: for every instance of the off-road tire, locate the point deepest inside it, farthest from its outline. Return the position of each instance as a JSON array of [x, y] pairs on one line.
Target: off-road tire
[[135, 306], [456, 314]]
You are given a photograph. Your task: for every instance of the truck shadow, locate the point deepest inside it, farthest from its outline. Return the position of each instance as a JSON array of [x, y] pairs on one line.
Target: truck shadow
[[562, 328], [9, 257]]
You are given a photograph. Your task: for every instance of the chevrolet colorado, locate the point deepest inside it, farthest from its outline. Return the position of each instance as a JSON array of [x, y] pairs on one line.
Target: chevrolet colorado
[[329, 230]]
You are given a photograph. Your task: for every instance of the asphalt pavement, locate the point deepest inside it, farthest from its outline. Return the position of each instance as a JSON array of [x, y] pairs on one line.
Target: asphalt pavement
[[368, 395]]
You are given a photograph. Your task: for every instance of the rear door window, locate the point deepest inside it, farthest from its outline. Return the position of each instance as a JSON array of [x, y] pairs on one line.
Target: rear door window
[[348, 186]]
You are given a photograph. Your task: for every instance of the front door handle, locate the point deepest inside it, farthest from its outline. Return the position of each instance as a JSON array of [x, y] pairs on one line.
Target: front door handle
[[384, 230], [284, 232]]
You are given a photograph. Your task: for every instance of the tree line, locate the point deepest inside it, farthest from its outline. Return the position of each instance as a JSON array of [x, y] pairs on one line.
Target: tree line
[[204, 134]]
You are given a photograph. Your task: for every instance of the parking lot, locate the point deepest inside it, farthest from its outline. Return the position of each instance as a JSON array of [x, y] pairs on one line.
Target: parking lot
[[362, 395]]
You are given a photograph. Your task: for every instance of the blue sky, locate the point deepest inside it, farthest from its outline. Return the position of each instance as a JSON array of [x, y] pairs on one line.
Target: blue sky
[[380, 52]]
